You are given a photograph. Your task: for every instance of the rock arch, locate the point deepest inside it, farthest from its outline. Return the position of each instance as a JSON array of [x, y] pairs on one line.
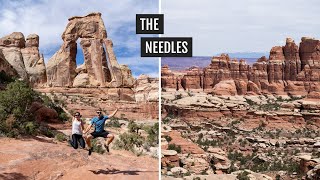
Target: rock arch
[[100, 66]]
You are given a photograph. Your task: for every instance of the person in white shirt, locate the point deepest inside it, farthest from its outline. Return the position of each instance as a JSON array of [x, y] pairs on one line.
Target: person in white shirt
[[77, 129]]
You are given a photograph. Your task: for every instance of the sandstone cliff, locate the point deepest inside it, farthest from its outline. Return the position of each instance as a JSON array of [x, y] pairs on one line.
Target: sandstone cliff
[[289, 70]]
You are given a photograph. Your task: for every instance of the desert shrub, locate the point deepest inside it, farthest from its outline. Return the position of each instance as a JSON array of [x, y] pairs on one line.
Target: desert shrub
[[60, 137], [63, 116], [128, 141], [134, 127], [187, 174], [51, 104], [166, 120], [113, 122], [269, 107], [15, 102], [47, 132], [243, 176], [236, 156], [153, 134], [178, 96], [168, 138], [30, 127], [250, 102], [235, 122], [97, 147], [174, 147]]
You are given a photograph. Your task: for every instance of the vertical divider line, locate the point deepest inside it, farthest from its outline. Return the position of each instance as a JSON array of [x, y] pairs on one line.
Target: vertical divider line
[[159, 103]]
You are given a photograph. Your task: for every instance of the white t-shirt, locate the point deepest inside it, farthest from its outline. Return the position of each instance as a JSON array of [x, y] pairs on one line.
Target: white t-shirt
[[76, 127]]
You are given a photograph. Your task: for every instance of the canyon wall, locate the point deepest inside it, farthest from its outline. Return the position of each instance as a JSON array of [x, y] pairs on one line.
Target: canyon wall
[[290, 70]]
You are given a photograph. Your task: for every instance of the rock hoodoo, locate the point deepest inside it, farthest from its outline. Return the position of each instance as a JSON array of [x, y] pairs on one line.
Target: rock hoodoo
[[290, 70], [61, 68]]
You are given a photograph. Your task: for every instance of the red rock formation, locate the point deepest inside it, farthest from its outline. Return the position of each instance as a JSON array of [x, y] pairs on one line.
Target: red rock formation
[[292, 60], [6, 67], [168, 79], [43, 113], [24, 57], [193, 79], [289, 70], [34, 62], [11, 46], [61, 68]]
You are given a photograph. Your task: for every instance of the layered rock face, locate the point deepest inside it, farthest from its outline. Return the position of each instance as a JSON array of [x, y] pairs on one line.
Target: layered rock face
[[96, 71], [6, 67], [11, 46], [146, 89], [290, 70], [34, 62], [23, 55]]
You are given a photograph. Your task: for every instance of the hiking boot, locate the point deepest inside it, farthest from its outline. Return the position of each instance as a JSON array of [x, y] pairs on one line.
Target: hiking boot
[[90, 151], [107, 147]]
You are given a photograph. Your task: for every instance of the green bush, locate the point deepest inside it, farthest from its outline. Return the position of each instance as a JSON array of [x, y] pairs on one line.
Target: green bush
[[113, 122], [178, 96], [270, 107], [166, 120], [63, 116], [97, 147], [134, 127], [50, 104], [15, 102], [250, 102], [243, 176], [60, 137], [153, 134], [128, 141], [168, 138], [46, 131], [31, 127], [174, 147]]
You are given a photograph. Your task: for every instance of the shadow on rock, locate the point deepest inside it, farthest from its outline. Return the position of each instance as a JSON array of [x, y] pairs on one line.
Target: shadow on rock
[[13, 176], [115, 171]]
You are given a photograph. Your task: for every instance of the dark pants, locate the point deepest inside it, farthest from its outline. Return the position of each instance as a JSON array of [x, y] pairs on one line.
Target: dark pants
[[75, 139]]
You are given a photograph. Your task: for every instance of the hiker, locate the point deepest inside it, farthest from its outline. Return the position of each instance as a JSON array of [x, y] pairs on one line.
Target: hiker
[[99, 131], [77, 130]]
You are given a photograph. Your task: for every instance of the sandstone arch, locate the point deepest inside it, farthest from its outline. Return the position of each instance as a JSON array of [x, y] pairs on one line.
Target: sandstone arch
[[97, 70]]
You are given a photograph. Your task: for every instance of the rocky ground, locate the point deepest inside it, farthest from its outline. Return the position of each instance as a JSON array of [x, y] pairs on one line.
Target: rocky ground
[[229, 137], [47, 158]]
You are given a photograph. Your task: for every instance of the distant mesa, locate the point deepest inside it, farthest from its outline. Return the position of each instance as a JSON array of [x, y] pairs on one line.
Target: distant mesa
[[289, 70], [20, 56]]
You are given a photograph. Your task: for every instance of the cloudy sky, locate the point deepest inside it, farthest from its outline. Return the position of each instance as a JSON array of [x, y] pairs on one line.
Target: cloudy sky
[[48, 19], [240, 26]]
